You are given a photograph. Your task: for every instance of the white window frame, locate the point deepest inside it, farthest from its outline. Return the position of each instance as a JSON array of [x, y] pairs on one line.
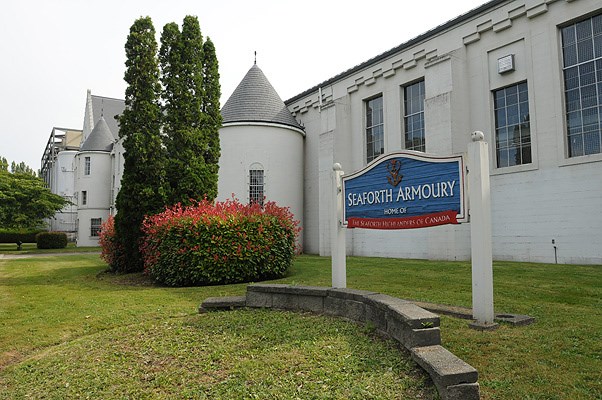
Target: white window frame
[[95, 224], [87, 165], [256, 184], [413, 108], [374, 126]]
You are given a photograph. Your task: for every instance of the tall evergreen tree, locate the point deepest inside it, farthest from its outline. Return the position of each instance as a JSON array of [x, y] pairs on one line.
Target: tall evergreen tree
[[143, 182], [185, 116], [213, 116], [169, 60]]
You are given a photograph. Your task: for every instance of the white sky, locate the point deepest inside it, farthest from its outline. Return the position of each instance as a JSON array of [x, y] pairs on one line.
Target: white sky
[[52, 51]]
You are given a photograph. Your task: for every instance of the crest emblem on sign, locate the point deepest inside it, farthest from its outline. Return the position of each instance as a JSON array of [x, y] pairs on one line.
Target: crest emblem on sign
[[394, 177]]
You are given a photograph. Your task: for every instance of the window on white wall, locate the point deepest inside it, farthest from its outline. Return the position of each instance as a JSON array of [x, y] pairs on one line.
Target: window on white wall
[[375, 128], [84, 197], [512, 126], [95, 226], [413, 120], [87, 163], [582, 68], [256, 186]]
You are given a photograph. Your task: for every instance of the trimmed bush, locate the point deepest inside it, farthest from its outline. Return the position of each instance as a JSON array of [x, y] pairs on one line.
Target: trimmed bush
[[111, 249], [221, 243], [51, 240], [16, 236]]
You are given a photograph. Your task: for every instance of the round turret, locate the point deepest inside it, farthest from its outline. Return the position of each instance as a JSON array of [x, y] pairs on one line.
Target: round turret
[[261, 147]]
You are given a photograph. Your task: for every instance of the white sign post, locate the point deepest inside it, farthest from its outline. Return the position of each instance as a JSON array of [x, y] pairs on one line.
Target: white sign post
[[374, 203], [480, 232], [337, 231]]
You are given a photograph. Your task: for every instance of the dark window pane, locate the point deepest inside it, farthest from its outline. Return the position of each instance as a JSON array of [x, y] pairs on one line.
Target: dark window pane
[[513, 134], [512, 114], [597, 24], [568, 35], [571, 78], [583, 85], [584, 29], [573, 100], [589, 96], [414, 116], [585, 50], [570, 55], [374, 128], [591, 142], [598, 46], [526, 154]]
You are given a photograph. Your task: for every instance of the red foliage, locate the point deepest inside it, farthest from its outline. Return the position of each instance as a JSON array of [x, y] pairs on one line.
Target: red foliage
[[112, 252], [224, 237]]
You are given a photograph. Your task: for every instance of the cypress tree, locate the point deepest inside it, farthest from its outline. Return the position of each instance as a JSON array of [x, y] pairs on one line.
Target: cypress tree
[[213, 120], [185, 128], [169, 59], [142, 190]]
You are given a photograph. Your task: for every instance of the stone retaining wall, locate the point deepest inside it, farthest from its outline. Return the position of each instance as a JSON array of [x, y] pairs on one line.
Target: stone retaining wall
[[413, 327]]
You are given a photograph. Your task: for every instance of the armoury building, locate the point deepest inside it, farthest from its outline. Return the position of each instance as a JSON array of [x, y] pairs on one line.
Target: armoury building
[[528, 73]]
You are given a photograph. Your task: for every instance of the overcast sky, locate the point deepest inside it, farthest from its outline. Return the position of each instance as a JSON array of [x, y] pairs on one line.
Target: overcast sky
[[52, 51]]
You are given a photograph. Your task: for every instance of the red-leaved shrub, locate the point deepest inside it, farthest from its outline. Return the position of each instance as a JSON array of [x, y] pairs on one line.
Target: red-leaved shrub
[[217, 243], [111, 249]]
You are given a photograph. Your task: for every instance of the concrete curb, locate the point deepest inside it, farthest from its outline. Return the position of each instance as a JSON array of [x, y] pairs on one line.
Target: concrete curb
[[413, 327]]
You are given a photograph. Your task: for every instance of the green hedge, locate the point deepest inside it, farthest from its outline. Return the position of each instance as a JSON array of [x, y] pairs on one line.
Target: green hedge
[[51, 240], [16, 236], [221, 243]]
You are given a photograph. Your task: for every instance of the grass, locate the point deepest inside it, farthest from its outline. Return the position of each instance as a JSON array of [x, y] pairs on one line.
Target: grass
[[67, 330], [31, 248]]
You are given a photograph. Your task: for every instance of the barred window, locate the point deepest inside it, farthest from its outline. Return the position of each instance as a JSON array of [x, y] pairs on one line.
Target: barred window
[[375, 128], [95, 226], [413, 119], [512, 126], [256, 186], [582, 69]]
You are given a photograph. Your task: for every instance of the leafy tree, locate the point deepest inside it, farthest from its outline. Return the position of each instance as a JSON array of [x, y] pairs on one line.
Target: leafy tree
[[192, 164], [143, 182], [25, 201], [22, 168]]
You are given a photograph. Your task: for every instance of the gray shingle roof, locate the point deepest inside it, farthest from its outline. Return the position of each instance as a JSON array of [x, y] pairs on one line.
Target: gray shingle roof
[[100, 139], [109, 107], [256, 100]]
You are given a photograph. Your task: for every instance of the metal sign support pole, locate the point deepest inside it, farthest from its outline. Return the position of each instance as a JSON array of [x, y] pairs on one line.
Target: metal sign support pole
[[337, 231], [480, 232]]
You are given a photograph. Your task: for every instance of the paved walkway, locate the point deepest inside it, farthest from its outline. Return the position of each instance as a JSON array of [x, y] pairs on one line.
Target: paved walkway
[[35, 255]]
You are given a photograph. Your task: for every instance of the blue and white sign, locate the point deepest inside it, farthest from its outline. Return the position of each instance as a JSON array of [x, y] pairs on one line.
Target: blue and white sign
[[404, 190]]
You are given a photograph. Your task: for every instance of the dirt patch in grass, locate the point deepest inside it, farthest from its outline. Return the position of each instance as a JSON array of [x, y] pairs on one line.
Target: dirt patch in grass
[[8, 358]]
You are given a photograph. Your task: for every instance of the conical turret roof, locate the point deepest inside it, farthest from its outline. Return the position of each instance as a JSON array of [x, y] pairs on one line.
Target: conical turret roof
[[256, 100], [100, 139]]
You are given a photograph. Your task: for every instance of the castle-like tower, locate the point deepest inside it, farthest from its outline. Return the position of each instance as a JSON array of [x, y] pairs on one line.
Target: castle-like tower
[[261, 147], [93, 183]]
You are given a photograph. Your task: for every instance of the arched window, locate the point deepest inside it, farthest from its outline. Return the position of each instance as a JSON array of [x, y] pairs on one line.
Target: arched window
[[256, 184]]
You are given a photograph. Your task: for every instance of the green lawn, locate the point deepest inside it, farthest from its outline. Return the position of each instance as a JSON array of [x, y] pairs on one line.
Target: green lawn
[[69, 330], [31, 248]]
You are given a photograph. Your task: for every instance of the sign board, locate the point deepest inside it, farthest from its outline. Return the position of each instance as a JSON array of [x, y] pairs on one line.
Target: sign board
[[405, 190]]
